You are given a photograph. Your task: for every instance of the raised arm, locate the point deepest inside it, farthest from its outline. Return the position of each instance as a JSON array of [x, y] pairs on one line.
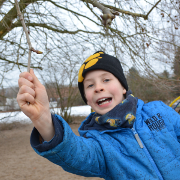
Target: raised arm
[[33, 101]]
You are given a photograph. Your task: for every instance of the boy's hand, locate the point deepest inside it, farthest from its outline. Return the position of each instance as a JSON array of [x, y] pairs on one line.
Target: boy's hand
[[33, 101]]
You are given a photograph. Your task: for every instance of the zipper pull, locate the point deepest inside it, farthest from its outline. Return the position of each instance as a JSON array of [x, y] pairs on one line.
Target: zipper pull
[[137, 138]]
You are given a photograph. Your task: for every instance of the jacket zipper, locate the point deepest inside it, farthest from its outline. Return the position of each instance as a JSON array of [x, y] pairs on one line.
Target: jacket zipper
[[142, 146], [137, 138]]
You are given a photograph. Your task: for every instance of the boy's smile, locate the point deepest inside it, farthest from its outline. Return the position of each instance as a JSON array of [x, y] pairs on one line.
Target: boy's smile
[[103, 91]]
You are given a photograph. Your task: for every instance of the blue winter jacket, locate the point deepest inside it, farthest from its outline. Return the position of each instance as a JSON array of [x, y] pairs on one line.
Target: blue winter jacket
[[148, 151]]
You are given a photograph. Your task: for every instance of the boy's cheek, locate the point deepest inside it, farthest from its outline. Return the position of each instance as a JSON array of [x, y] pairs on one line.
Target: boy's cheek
[[86, 98]]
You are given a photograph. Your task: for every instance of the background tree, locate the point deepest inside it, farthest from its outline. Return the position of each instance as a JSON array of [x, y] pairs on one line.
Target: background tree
[[176, 64], [146, 88], [60, 83], [136, 31], [143, 34], [176, 70], [2, 97]]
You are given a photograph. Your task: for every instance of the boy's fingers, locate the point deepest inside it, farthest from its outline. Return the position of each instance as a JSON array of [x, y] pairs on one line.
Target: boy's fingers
[[22, 99], [35, 79], [24, 82], [26, 75], [25, 89], [29, 76]]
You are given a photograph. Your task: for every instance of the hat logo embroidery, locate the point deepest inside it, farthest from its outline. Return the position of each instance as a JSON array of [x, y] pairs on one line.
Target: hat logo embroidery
[[89, 62]]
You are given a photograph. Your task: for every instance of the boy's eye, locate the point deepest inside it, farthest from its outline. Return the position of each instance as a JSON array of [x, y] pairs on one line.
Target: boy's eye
[[106, 80], [90, 85]]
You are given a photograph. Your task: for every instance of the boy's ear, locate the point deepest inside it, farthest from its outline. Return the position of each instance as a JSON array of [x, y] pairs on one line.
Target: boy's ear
[[124, 91]]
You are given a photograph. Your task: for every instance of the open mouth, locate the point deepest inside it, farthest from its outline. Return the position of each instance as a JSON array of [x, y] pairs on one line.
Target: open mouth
[[104, 101]]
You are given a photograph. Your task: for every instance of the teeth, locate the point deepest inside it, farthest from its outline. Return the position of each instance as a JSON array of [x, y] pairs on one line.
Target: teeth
[[102, 99], [104, 102]]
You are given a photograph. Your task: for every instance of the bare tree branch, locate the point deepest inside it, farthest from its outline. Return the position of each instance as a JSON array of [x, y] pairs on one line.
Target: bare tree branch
[[43, 25], [152, 9], [6, 22], [17, 63], [26, 32], [126, 12], [73, 12], [27, 35], [109, 15]]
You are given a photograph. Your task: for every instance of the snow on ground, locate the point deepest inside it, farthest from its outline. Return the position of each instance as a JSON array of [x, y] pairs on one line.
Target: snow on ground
[[19, 116]]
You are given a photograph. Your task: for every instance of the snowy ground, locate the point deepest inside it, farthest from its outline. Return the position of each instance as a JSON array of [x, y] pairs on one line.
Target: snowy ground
[[19, 116]]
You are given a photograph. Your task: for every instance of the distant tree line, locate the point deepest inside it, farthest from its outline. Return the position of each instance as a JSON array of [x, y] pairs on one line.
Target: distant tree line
[[145, 88], [148, 88], [176, 69]]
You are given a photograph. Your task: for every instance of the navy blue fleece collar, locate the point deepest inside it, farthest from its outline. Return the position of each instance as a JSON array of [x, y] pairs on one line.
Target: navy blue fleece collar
[[123, 115]]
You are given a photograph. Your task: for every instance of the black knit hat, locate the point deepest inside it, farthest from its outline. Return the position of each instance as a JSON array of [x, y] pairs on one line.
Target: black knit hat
[[102, 61]]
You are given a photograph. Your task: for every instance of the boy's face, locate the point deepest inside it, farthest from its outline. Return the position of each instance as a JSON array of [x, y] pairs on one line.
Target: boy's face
[[103, 91]]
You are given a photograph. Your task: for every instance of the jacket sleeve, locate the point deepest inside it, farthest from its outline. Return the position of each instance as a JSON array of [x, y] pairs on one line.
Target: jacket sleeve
[[175, 119], [39, 144], [76, 154]]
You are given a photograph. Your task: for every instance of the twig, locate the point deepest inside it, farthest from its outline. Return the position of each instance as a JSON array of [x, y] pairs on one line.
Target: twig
[[108, 15], [153, 8], [109, 12], [26, 32], [27, 35]]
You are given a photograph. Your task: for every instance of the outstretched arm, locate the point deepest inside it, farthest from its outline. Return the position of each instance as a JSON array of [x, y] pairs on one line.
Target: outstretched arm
[[33, 101], [75, 154]]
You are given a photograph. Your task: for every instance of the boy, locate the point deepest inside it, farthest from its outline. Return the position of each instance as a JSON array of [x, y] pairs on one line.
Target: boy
[[123, 139]]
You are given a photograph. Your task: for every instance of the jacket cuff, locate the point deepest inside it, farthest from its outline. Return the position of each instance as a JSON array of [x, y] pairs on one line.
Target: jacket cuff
[[45, 146]]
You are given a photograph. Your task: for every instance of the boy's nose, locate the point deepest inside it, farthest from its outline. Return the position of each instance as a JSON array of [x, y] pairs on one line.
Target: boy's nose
[[99, 89]]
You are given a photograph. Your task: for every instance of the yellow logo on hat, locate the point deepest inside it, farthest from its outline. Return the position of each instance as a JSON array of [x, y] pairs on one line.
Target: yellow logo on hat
[[90, 61]]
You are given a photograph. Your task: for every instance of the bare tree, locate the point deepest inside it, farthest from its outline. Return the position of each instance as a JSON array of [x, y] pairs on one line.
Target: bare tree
[[59, 80], [143, 34]]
